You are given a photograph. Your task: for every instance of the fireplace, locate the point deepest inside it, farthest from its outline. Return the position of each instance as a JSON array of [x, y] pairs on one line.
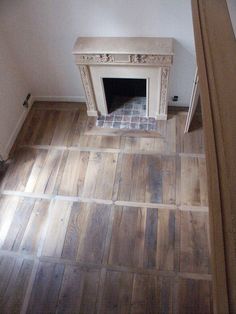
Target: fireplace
[[128, 67], [122, 93]]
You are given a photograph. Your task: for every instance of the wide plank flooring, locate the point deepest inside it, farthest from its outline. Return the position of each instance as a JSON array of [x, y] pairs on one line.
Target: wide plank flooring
[[104, 221]]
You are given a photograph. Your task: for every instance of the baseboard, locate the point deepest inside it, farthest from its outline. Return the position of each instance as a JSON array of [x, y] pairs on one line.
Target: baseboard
[[60, 98], [2, 154], [83, 99], [177, 109], [5, 153], [177, 104], [31, 101]]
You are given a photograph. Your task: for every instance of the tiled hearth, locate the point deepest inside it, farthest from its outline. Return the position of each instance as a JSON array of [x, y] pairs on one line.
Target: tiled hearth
[[130, 113]]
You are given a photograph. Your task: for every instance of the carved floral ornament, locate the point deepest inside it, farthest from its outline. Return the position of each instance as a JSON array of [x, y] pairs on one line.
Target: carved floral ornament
[[142, 59], [164, 85], [91, 104]]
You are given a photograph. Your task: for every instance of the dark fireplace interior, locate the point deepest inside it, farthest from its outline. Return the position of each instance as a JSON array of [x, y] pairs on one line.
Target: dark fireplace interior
[[119, 90]]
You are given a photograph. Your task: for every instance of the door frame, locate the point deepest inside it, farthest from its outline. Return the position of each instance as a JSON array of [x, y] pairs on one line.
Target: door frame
[[216, 50]]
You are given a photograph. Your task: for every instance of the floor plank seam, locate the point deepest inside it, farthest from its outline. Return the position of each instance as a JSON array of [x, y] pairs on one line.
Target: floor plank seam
[[110, 150], [29, 288], [193, 208], [81, 199], [119, 268]]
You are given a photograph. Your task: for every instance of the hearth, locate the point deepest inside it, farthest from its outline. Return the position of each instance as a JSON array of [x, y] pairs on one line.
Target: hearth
[[130, 113]]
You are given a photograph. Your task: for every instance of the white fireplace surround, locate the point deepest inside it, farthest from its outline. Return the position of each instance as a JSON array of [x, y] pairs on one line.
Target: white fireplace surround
[[129, 57]]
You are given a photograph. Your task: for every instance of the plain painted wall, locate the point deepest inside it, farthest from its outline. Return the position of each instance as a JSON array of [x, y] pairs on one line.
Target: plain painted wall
[[13, 90], [42, 33], [232, 12]]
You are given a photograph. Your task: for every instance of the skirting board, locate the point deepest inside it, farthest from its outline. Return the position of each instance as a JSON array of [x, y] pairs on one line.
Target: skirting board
[[6, 151], [177, 104], [83, 99], [60, 98]]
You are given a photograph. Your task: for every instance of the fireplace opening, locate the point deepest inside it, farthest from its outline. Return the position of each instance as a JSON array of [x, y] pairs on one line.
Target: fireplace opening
[[127, 106], [125, 95]]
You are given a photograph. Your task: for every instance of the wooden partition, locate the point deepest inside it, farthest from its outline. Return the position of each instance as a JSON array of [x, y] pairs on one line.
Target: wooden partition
[[216, 60]]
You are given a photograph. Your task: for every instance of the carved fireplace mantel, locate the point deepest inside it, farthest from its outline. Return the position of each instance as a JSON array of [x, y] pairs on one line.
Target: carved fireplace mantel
[[127, 57]]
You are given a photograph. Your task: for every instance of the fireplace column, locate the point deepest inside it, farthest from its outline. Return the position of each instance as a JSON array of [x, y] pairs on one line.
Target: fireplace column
[[86, 79]]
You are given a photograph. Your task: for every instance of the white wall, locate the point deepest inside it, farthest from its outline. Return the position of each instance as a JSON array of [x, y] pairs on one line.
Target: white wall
[[232, 12], [42, 34], [13, 90]]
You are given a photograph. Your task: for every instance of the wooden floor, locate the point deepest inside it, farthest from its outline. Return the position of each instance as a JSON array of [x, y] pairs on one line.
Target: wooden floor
[[104, 221]]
